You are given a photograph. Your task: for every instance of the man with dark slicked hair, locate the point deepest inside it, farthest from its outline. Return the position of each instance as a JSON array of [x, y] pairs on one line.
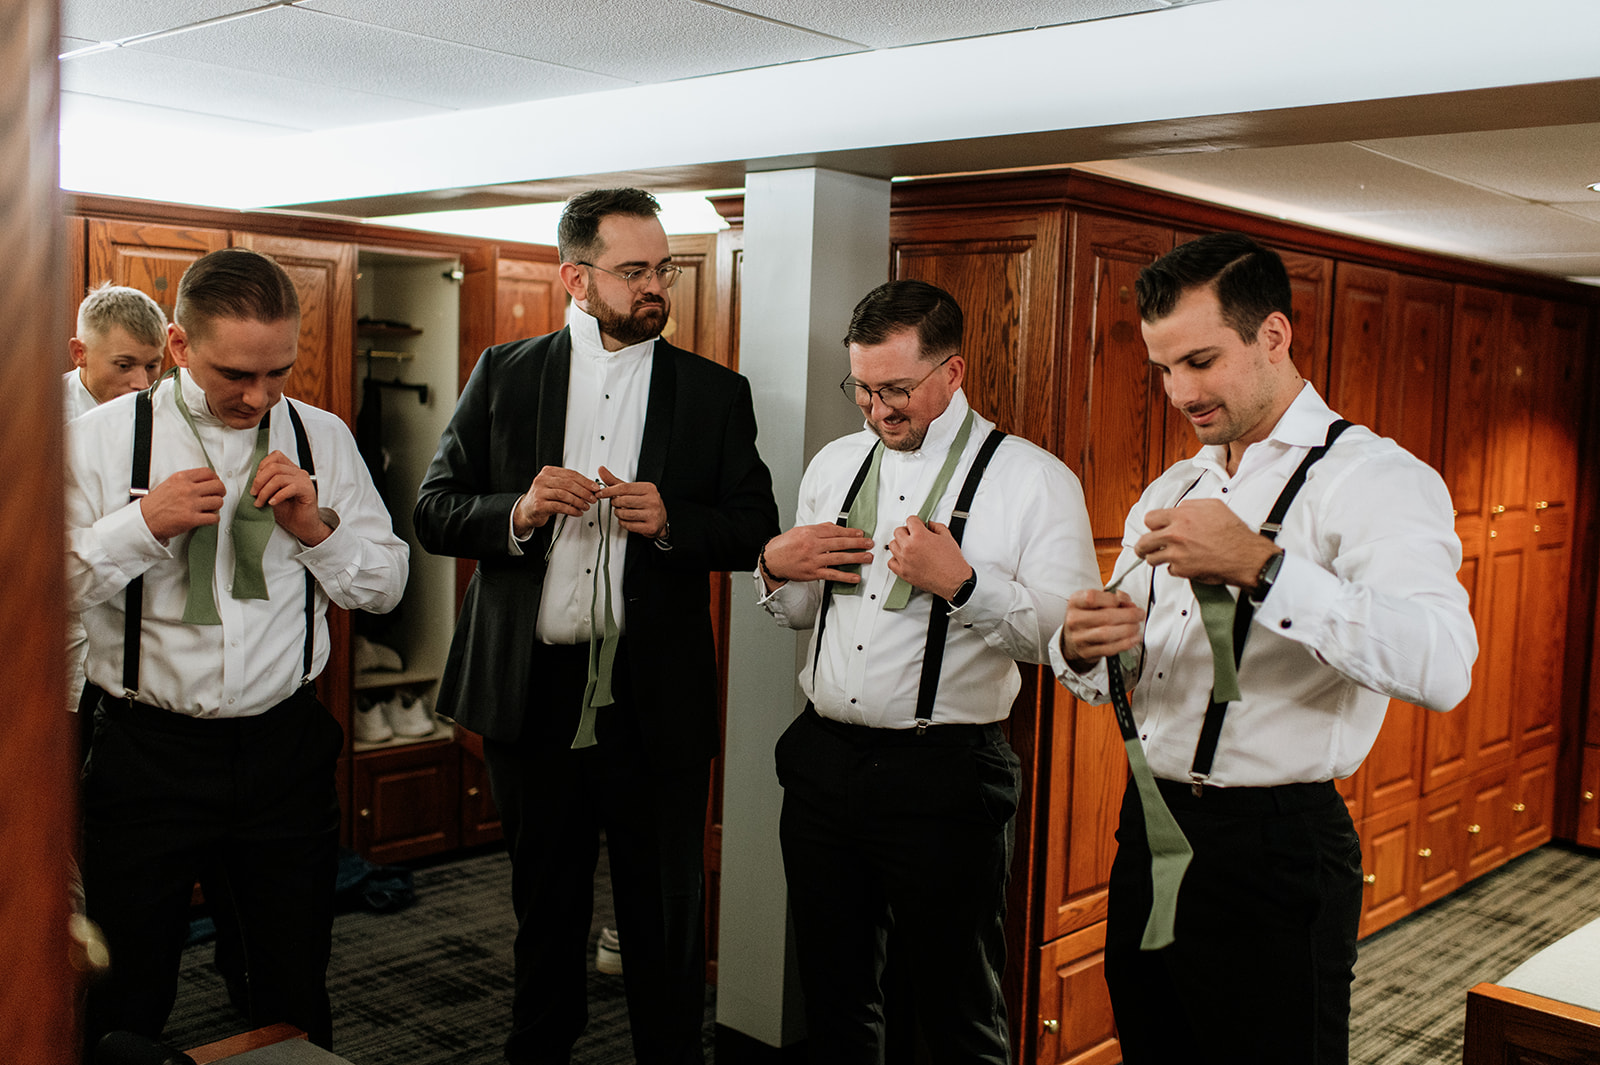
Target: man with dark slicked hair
[[598, 474], [1323, 561], [222, 518]]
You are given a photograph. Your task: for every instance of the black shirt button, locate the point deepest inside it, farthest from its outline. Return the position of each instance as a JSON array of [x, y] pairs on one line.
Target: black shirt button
[[1285, 623]]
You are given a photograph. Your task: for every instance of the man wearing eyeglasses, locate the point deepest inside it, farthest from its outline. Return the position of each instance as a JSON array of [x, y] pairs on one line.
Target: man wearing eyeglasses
[[598, 475], [926, 559]]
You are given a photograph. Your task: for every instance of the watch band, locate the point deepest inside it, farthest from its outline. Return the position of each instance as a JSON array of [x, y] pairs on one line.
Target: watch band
[[964, 592], [1267, 576]]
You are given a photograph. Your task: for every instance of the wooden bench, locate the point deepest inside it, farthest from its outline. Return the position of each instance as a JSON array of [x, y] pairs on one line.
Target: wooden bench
[[1544, 1012]]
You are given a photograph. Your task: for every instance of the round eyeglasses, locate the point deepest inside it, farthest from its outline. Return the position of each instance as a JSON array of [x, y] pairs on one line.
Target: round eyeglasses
[[894, 397], [667, 274]]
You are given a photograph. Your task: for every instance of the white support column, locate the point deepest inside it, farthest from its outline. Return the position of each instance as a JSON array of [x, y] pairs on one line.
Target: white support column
[[816, 241]]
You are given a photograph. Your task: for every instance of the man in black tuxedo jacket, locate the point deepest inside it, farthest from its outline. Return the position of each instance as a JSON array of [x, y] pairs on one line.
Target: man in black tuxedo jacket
[[598, 475]]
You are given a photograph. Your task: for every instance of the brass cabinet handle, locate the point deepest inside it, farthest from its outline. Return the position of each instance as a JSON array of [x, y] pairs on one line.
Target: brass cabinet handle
[[1370, 878], [1051, 1026], [1588, 796], [1473, 830], [1492, 534], [1543, 504], [1426, 852], [1518, 807], [366, 813], [473, 792], [1535, 526], [1498, 509]]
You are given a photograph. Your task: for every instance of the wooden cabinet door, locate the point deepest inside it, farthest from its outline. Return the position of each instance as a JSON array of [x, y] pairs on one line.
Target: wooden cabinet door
[[145, 256], [1588, 799], [1488, 827], [1388, 844], [406, 802], [1116, 409], [1002, 267], [1089, 769], [530, 301], [1533, 793], [1075, 1025], [1441, 842]]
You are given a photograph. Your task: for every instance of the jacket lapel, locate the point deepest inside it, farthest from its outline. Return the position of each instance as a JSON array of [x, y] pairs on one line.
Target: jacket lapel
[[663, 398], [550, 437]]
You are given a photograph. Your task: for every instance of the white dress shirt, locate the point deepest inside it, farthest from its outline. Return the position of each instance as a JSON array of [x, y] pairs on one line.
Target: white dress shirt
[[253, 660], [607, 395], [1366, 606], [1027, 539], [76, 397]]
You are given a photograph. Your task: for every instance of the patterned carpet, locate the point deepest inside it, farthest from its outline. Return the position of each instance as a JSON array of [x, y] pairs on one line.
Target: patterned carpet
[[431, 985]]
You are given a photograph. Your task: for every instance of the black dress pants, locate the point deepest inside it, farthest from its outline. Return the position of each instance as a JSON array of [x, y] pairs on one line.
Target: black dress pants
[[554, 802], [248, 801], [888, 830], [1265, 946]]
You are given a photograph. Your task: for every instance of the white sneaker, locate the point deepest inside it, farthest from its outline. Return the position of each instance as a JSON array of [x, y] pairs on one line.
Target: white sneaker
[[608, 953], [370, 722], [366, 656], [409, 715]]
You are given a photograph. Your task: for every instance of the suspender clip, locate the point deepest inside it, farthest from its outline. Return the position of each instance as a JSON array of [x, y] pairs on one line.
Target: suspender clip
[[922, 725], [138, 493], [1197, 783], [1271, 529]]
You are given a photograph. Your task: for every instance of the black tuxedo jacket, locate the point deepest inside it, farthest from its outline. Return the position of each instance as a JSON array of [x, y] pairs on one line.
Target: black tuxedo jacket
[[698, 449]]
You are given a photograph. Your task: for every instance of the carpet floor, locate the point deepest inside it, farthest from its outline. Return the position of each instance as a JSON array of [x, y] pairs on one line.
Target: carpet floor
[[431, 984]]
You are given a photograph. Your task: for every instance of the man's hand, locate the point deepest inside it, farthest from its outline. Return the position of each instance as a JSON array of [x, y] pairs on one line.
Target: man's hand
[[928, 557], [554, 491], [1099, 623], [289, 491], [811, 553], [1201, 539], [186, 500], [637, 504]]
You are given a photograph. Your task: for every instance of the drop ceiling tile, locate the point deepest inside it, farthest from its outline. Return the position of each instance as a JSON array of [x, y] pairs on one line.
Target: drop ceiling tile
[[1567, 157], [637, 40], [1496, 231], [319, 49], [1583, 208], [1584, 268], [890, 23], [112, 20], [1330, 178], [189, 86], [122, 117]]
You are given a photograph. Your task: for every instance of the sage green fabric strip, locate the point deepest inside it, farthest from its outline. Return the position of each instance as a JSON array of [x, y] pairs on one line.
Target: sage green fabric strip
[[602, 642], [1216, 612], [1170, 852], [251, 529], [867, 502], [863, 516]]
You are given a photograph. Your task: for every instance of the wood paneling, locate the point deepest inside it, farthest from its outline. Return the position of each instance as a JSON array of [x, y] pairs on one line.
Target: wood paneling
[[147, 256], [405, 802], [1441, 843], [1075, 1025], [1388, 847], [1085, 798], [530, 302], [1001, 267], [37, 986]]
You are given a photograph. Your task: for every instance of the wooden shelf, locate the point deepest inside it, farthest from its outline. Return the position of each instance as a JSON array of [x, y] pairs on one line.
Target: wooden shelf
[[443, 731], [383, 678], [373, 329]]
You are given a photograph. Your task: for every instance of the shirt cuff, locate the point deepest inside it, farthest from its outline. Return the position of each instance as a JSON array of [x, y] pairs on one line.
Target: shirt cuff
[[513, 541], [1092, 686], [1301, 600]]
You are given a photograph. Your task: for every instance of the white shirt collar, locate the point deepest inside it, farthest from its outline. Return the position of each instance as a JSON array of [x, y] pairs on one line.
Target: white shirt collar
[[586, 338], [194, 397], [1304, 423], [941, 431]]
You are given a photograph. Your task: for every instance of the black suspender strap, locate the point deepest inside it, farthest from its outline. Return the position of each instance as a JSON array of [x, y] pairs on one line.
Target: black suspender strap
[[303, 453], [138, 488], [843, 520], [1211, 730], [939, 615]]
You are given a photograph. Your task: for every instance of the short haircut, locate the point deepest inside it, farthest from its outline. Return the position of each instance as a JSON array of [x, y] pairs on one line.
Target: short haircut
[[234, 283], [896, 306], [578, 234], [1249, 280], [109, 306]]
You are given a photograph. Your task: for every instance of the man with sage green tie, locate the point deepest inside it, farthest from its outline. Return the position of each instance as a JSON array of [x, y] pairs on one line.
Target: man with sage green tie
[[931, 553], [1273, 593], [210, 523], [599, 475]]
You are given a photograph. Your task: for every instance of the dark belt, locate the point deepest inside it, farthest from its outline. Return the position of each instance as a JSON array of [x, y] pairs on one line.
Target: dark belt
[[934, 735], [159, 719], [1277, 799]]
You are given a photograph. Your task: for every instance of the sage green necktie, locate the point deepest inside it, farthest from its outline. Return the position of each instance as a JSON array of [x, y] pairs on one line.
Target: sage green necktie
[[1217, 608], [251, 528], [1170, 852], [602, 640], [864, 509]]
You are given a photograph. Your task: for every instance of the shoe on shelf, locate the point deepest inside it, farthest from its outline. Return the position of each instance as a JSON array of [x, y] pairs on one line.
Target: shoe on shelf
[[408, 714], [366, 656], [370, 723], [608, 953]]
